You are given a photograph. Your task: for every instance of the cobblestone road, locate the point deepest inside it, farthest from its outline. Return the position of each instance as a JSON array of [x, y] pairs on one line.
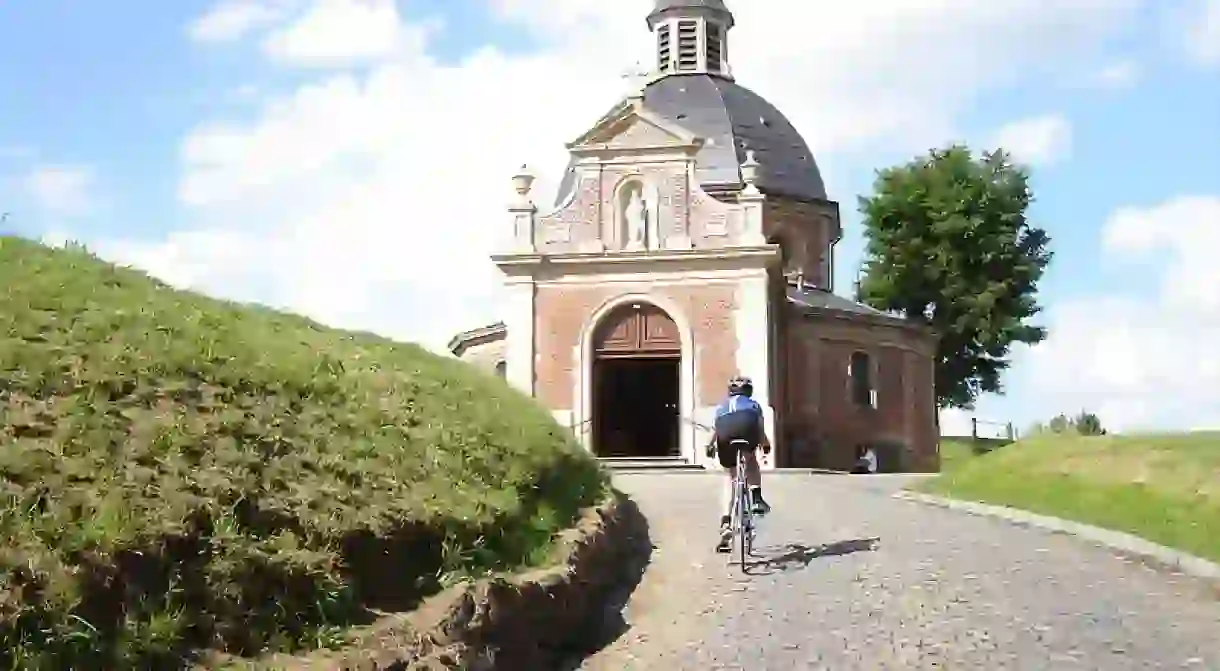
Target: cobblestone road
[[851, 579]]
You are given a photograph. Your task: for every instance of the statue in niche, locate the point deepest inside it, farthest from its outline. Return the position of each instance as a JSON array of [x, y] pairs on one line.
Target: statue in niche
[[635, 217]]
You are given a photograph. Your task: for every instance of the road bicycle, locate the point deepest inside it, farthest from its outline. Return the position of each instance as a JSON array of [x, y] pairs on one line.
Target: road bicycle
[[741, 524]]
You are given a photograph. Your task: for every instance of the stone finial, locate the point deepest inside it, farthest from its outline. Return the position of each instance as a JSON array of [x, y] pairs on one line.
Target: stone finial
[[523, 181], [749, 169]]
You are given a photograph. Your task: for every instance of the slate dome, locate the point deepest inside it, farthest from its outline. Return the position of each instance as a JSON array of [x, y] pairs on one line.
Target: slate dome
[[729, 117]]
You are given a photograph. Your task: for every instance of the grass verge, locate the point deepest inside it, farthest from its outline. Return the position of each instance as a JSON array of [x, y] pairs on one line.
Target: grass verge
[[180, 474], [1164, 488]]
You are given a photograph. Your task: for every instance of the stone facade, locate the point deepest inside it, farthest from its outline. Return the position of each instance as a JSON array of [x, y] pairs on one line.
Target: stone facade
[[483, 347], [722, 266]]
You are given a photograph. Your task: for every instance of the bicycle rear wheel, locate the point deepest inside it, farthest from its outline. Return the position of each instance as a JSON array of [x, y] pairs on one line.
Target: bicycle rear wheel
[[745, 527]]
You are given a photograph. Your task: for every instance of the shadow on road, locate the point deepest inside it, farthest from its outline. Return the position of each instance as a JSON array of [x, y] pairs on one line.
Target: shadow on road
[[796, 556], [609, 625]]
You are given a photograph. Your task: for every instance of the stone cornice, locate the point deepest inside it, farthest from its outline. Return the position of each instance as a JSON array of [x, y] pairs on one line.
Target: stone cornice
[[466, 339], [534, 264], [883, 321]]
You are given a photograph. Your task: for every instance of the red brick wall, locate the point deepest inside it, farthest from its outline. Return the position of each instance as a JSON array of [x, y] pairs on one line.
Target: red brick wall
[[805, 230], [562, 311], [822, 424]]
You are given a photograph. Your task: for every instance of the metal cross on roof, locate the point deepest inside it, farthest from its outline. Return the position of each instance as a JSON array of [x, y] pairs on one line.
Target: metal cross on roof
[[637, 78]]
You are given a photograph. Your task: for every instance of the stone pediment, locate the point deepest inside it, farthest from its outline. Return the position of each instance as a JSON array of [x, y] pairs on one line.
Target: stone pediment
[[633, 126]]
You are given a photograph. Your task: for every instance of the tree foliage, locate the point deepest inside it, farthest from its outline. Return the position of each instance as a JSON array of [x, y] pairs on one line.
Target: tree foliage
[[1088, 424], [949, 244], [1085, 424]]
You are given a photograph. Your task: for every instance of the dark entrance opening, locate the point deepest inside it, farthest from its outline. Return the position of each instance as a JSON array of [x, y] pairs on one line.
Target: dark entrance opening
[[636, 388], [636, 407]]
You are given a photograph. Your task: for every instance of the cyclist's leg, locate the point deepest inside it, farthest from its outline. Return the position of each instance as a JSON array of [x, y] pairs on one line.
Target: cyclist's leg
[[727, 455], [754, 478], [726, 512]]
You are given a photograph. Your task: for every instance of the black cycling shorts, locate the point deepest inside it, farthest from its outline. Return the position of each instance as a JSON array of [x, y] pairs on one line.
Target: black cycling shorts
[[740, 425]]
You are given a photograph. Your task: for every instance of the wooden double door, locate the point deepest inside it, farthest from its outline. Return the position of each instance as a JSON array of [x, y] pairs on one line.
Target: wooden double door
[[636, 378]]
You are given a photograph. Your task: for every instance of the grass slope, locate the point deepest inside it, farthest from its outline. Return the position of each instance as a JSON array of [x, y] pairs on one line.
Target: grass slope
[[179, 473], [955, 450], [1165, 488]]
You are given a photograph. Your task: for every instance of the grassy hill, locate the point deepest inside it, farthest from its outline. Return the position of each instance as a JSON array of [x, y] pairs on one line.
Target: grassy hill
[[180, 473], [1165, 488]]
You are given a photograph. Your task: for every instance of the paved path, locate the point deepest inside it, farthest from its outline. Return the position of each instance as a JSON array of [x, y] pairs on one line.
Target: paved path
[[852, 579]]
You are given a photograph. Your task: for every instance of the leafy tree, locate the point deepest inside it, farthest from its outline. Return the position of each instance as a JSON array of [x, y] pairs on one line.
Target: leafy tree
[[949, 244], [1060, 424], [1088, 424]]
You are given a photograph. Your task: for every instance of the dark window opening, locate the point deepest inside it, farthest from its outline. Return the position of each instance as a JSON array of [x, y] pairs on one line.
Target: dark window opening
[[860, 373], [715, 54]]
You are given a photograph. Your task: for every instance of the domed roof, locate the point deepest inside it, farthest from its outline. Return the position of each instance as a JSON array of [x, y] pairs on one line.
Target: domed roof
[[731, 119]]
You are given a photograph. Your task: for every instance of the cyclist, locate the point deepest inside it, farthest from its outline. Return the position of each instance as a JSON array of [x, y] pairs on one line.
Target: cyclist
[[739, 417]]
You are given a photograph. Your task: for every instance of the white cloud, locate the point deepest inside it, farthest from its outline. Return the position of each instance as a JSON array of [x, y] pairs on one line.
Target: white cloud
[[1041, 140], [1203, 32], [1188, 228], [1144, 361], [234, 19], [60, 189], [337, 33], [1120, 75], [373, 199]]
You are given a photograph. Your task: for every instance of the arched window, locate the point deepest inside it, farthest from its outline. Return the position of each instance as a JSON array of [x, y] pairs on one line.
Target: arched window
[[860, 380], [502, 369]]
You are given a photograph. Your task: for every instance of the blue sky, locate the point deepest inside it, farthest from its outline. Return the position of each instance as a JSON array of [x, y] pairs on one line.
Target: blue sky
[[301, 168]]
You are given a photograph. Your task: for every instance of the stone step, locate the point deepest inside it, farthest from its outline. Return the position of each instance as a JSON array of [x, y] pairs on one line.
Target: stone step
[[648, 464]]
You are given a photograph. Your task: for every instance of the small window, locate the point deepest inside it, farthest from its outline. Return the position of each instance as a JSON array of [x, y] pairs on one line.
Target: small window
[[715, 55], [860, 379], [688, 45], [663, 49], [502, 368]]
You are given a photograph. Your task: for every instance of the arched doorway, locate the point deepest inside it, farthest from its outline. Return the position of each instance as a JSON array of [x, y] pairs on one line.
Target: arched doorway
[[636, 383]]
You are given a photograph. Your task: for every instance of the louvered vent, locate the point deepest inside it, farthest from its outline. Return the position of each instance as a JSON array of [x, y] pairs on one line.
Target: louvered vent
[[663, 53], [715, 55], [688, 45]]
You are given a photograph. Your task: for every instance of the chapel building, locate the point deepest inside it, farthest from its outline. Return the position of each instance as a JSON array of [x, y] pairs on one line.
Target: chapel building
[[693, 239]]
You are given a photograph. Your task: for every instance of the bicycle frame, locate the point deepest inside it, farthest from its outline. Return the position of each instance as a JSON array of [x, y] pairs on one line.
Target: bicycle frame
[[742, 522]]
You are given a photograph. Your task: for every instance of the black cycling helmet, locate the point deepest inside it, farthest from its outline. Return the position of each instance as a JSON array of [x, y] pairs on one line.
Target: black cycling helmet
[[741, 386]]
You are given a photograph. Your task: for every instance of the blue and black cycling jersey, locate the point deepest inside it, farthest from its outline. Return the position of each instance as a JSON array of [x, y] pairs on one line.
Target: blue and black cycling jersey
[[739, 418]]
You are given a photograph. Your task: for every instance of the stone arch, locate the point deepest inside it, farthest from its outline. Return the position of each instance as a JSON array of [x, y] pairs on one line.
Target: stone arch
[[587, 352]]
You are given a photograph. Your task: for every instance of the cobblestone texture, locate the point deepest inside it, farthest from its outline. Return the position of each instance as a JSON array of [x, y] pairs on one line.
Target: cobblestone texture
[[849, 578]]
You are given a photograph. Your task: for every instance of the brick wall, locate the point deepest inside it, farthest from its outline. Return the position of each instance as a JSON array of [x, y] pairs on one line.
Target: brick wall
[[563, 310], [823, 424], [806, 231]]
